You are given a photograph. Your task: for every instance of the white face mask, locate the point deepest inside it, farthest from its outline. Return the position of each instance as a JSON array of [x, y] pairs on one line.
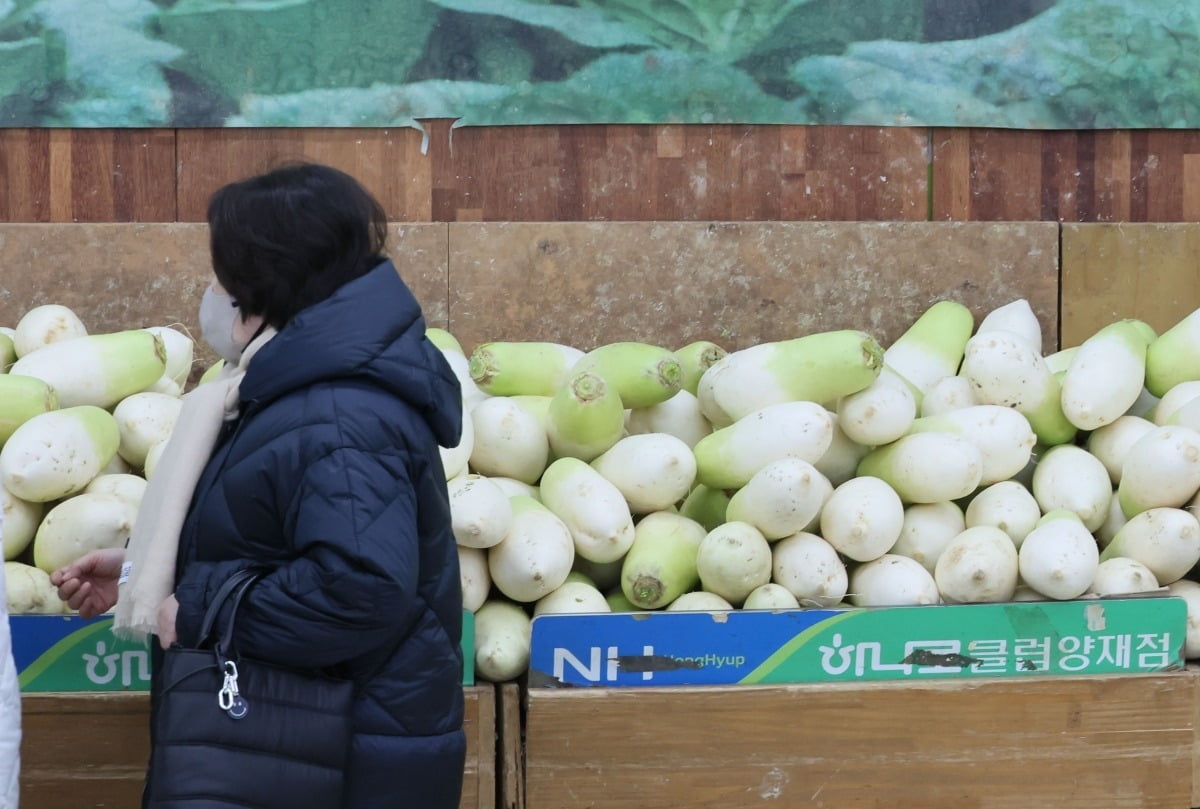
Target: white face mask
[[218, 315]]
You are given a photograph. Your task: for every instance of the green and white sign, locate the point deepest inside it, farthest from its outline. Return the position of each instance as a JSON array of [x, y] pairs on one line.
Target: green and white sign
[[1110, 636]]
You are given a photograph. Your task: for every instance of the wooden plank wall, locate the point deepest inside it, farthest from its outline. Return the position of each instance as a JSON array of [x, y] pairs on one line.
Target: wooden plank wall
[[622, 172]]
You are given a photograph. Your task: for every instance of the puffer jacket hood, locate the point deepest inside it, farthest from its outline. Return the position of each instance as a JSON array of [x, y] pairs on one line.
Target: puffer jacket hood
[[372, 328]]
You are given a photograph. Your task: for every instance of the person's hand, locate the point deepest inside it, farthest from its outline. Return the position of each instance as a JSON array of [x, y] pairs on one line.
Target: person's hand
[[89, 584], [167, 611]]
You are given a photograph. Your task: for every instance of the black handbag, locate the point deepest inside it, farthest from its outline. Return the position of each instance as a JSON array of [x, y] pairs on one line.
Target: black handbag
[[231, 731]]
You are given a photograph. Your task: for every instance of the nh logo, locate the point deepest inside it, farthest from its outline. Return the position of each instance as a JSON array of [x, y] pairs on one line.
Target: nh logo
[[603, 664]]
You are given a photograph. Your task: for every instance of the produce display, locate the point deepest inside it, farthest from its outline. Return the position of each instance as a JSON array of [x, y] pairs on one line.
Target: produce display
[[960, 464]]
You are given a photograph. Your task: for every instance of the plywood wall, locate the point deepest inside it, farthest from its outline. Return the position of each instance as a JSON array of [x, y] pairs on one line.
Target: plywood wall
[[622, 172]]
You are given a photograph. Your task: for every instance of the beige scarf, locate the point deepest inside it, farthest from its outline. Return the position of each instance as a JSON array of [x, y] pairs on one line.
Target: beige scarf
[[148, 575]]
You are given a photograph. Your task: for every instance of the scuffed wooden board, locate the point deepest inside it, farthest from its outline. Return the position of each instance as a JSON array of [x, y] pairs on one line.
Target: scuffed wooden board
[[479, 724], [1068, 743], [128, 275], [91, 750], [1194, 673], [738, 284], [511, 754], [1145, 271]]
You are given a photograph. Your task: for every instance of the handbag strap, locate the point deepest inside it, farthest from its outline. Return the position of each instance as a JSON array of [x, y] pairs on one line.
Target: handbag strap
[[235, 586]]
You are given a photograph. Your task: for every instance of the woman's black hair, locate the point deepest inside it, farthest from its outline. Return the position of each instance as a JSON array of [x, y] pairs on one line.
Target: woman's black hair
[[285, 240]]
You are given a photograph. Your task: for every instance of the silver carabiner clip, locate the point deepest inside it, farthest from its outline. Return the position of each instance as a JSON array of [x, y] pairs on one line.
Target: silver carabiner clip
[[229, 689]]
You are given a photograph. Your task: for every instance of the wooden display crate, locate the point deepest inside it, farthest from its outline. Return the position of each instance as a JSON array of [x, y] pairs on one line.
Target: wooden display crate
[[1067, 742], [89, 750]]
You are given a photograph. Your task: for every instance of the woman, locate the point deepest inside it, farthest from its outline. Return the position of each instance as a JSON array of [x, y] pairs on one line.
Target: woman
[[327, 473]]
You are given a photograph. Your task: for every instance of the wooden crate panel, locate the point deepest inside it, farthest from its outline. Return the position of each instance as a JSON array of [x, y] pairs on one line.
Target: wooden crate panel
[[123, 276], [738, 284], [1077, 743], [90, 750], [510, 753], [1145, 271]]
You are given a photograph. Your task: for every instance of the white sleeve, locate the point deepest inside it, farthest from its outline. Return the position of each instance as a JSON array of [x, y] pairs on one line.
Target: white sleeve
[[10, 713]]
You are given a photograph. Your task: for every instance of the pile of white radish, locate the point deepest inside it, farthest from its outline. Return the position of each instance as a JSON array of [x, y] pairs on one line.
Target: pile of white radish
[[82, 420], [959, 465]]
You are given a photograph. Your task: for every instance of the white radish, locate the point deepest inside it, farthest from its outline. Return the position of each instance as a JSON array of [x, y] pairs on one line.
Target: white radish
[[56, 454], [729, 457], [509, 441], [770, 596], [536, 555], [661, 564], [593, 509], [781, 499], [699, 601], [1069, 477], [1166, 540], [79, 525], [878, 414], [892, 581], [1115, 521], [19, 520], [515, 488], [480, 512], [1161, 470], [979, 565], [947, 394], [1189, 591], [932, 347], [177, 367], [99, 369], [928, 528], [1003, 436], [130, 488], [1006, 505], [503, 633], [471, 393], [679, 416], [840, 461], [1016, 317], [456, 458], [1122, 576], [653, 471], [732, 560], [862, 519], [143, 420], [474, 577], [28, 591], [1174, 399], [570, 598], [1174, 356], [46, 324], [1112, 442], [810, 569], [1105, 376], [927, 467], [1059, 557]]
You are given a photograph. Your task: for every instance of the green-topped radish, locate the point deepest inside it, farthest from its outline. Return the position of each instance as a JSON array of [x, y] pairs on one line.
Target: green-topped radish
[[932, 347], [679, 416], [56, 454], [617, 602], [892, 581], [586, 417], [522, 368], [177, 367], [1112, 524], [1059, 557], [1173, 400], [508, 441], [1071, 478], [927, 467], [471, 394], [1060, 361], [1105, 376], [653, 471], [729, 457], [474, 577], [1174, 356], [1007, 505], [696, 358], [706, 506], [732, 560], [661, 564], [98, 369], [1122, 576], [79, 525], [1006, 370], [840, 461], [979, 565], [781, 499], [535, 556], [641, 374], [810, 569], [863, 518], [1166, 540], [444, 340], [515, 488], [480, 511], [503, 633], [8, 353], [1112, 442], [927, 530], [879, 413], [1161, 470], [19, 521], [1003, 436], [593, 509], [22, 398], [605, 575], [44, 325], [820, 367]]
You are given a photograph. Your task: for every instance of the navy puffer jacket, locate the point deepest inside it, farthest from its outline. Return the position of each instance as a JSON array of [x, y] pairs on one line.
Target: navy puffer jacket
[[332, 479]]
